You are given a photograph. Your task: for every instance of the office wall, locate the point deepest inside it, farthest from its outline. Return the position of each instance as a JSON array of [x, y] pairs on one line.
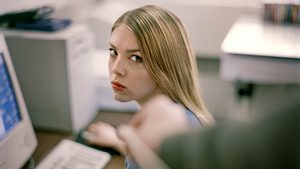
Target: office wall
[[16, 5], [207, 23]]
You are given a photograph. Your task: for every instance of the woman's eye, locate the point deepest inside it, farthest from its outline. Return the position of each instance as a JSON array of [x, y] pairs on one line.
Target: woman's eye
[[136, 58], [112, 52]]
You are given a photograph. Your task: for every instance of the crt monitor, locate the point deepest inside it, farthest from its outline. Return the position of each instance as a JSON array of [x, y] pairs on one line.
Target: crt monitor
[[17, 137]]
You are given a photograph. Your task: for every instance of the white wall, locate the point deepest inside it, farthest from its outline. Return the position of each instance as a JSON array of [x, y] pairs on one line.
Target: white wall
[[18, 5], [207, 23]]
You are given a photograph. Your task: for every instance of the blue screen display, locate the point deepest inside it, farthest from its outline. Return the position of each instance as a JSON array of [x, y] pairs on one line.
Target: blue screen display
[[9, 111]]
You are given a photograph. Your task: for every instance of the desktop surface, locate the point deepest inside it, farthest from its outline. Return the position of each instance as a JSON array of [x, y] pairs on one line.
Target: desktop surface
[[251, 35], [256, 51]]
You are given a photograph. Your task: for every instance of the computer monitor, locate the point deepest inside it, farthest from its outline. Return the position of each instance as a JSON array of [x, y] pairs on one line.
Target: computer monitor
[[17, 137]]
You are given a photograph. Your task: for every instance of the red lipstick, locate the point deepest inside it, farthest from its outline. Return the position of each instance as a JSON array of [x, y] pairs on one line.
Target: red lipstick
[[117, 86]]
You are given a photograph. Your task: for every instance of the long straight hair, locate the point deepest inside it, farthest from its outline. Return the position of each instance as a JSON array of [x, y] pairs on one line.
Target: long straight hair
[[167, 55]]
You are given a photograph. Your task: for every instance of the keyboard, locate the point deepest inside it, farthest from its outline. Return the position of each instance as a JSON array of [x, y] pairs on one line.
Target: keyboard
[[69, 154]]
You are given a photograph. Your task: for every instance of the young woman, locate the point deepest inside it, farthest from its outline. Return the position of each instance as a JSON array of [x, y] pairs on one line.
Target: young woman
[[150, 54]]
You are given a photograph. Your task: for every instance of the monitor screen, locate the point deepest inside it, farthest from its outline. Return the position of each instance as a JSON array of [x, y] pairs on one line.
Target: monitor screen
[[9, 110]]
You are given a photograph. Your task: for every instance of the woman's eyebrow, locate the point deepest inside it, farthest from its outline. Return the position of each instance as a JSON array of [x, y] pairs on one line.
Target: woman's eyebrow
[[133, 50], [128, 51], [110, 44]]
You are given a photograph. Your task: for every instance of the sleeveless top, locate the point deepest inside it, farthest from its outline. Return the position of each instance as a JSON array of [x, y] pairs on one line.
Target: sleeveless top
[[193, 121]]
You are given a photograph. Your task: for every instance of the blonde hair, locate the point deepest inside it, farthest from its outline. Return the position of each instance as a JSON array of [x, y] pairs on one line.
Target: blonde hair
[[167, 55]]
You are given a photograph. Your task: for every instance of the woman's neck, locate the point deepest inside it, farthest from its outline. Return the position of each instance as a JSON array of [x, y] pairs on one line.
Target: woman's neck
[[143, 100]]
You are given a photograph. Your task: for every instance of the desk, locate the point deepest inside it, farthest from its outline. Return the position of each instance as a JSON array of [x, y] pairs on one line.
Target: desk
[[261, 52], [48, 139]]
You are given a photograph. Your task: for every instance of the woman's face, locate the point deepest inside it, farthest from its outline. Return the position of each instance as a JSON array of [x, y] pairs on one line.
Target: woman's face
[[129, 78]]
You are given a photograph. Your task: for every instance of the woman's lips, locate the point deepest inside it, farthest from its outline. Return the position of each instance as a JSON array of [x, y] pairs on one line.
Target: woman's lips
[[117, 86]]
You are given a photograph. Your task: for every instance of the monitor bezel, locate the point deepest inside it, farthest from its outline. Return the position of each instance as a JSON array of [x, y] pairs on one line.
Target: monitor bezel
[[19, 143]]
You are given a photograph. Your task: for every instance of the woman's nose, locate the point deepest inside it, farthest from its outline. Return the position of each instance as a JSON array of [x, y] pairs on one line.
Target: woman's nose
[[119, 67]]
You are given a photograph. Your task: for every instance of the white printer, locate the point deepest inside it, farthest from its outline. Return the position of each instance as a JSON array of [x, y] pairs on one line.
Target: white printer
[[56, 76]]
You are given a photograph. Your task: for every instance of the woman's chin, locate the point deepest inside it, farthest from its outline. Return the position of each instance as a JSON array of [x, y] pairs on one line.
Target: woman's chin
[[122, 98]]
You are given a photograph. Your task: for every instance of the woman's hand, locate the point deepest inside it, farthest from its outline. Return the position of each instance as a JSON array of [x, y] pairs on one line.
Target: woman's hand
[[105, 135], [101, 134]]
